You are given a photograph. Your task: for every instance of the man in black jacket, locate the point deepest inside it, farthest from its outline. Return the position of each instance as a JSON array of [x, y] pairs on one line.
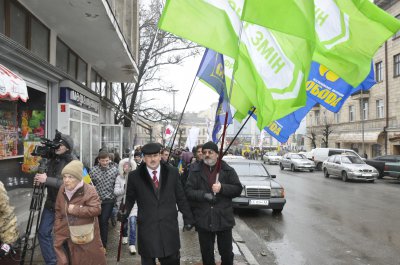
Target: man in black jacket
[[53, 180], [210, 195], [156, 189]]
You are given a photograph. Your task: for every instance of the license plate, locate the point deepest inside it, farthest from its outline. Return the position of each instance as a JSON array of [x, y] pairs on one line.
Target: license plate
[[367, 175], [259, 202]]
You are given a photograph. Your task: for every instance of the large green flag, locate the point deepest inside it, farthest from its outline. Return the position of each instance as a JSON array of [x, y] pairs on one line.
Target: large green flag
[[349, 32], [271, 65], [212, 24]]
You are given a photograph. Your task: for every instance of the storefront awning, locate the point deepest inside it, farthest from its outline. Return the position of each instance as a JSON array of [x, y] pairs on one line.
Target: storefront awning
[[12, 86], [356, 137]]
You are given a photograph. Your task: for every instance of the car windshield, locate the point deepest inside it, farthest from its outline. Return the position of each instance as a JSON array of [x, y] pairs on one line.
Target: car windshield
[[272, 153], [351, 160], [249, 169], [298, 156]]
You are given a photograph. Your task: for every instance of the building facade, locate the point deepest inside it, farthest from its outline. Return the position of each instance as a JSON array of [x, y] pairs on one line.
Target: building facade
[[68, 53], [368, 122]]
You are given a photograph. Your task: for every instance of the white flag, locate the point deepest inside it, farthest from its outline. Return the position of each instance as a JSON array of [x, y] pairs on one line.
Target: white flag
[[192, 138]]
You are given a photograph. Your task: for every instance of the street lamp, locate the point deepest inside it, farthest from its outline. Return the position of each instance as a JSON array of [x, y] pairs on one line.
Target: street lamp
[[173, 99]]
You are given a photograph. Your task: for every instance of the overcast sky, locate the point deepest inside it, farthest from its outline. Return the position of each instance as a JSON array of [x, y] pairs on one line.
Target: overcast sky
[[181, 77]]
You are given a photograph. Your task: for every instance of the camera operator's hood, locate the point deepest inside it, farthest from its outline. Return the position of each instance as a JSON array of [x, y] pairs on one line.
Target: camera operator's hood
[[67, 141]]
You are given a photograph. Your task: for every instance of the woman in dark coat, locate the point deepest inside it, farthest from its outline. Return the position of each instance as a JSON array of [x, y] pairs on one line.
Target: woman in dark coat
[[80, 203]]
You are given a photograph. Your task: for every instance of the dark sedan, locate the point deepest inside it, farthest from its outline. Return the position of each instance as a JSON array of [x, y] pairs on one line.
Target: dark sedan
[[260, 191]]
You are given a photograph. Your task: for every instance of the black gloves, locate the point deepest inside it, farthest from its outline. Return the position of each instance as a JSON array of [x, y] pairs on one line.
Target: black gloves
[[122, 216], [187, 227], [210, 197]]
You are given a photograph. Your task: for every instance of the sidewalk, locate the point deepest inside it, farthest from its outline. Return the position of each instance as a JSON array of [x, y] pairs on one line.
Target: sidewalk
[[190, 250]]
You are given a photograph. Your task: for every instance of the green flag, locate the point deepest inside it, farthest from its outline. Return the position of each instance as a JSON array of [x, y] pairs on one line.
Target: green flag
[[271, 63], [349, 32], [212, 24]]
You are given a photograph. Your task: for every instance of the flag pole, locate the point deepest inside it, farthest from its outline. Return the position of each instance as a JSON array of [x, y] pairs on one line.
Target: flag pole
[[241, 128], [180, 118]]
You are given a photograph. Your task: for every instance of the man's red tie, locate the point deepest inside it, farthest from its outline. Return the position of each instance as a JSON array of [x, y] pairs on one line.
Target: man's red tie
[[155, 180]]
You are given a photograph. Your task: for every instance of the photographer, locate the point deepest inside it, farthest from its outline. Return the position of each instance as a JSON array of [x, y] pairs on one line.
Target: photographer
[[53, 180]]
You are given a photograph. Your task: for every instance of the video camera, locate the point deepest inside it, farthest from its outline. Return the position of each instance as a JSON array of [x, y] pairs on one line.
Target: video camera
[[48, 147]]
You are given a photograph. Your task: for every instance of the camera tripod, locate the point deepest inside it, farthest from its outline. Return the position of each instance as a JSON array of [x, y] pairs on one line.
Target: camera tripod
[[36, 206]]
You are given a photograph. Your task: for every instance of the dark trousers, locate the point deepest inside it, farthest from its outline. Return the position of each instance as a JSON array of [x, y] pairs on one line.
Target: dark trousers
[[173, 259], [224, 242], [106, 212]]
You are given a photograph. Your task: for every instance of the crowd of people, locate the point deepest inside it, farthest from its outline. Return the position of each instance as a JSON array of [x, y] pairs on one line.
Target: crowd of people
[[146, 190]]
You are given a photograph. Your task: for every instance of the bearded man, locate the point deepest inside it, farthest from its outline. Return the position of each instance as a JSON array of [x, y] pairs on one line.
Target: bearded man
[[211, 201]]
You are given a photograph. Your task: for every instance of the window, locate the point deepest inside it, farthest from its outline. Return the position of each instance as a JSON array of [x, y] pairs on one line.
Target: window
[[317, 117], [62, 56], [351, 113], [364, 104], [398, 32], [378, 72], [72, 60], [40, 38], [337, 117], [82, 71], [379, 109], [2, 17], [18, 27], [396, 65]]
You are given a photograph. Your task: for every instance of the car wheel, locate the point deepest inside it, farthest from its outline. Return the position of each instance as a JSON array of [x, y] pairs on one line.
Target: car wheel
[[371, 181], [319, 166], [344, 176], [311, 170], [281, 166], [381, 174], [292, 168], [277, 211], [326, 174]]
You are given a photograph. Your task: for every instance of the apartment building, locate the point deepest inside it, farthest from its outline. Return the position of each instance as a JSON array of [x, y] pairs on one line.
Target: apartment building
[[64, 56]]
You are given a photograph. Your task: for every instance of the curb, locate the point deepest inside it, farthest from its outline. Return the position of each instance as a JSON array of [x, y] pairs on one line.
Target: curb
[[251, 260]]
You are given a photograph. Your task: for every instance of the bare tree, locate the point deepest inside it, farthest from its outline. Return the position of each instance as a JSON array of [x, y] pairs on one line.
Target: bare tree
[[156, 50], [313, 137], [326, 131]]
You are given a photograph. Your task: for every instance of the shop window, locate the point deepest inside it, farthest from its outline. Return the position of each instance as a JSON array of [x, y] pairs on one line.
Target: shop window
[[86, 136], [75, 129], [18, 27], [62, 56], [40, 38], [72, 64], [95, 141], [22, 125], [75, 114], [2, 17], [82, 72]]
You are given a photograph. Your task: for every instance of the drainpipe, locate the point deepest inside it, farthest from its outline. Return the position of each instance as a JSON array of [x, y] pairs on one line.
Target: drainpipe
[[386, 99]]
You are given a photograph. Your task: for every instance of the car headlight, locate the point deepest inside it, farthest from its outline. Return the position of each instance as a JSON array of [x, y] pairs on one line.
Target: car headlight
[[243, 191], [277, 193]]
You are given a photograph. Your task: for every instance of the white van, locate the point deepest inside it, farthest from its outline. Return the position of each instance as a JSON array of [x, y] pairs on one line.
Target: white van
[[319, 155]]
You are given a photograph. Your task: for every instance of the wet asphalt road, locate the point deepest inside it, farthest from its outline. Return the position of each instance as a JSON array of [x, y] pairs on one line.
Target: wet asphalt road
[[326, 221]]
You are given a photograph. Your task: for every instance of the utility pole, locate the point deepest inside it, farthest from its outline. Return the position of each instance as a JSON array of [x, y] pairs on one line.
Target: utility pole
[[173, 99], [362, 122]]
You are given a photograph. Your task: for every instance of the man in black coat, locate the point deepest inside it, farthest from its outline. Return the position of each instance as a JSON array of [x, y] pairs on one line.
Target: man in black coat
[[156, 189], [211, 201]]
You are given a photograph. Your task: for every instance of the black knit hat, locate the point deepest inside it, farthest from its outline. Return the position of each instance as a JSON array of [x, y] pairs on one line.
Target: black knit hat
[[211, 145]]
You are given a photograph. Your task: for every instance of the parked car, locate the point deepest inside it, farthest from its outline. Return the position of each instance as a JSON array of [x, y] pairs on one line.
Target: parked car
[[388, 165], [272, 158], [319, 155], [260, 191], [349, 167], [296, 162]]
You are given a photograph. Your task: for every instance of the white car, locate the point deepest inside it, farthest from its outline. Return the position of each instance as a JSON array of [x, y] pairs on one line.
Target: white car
[[272, 158]]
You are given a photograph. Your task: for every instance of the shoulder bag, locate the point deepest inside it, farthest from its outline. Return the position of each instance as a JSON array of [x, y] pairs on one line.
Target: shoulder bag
[[80, 234]]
